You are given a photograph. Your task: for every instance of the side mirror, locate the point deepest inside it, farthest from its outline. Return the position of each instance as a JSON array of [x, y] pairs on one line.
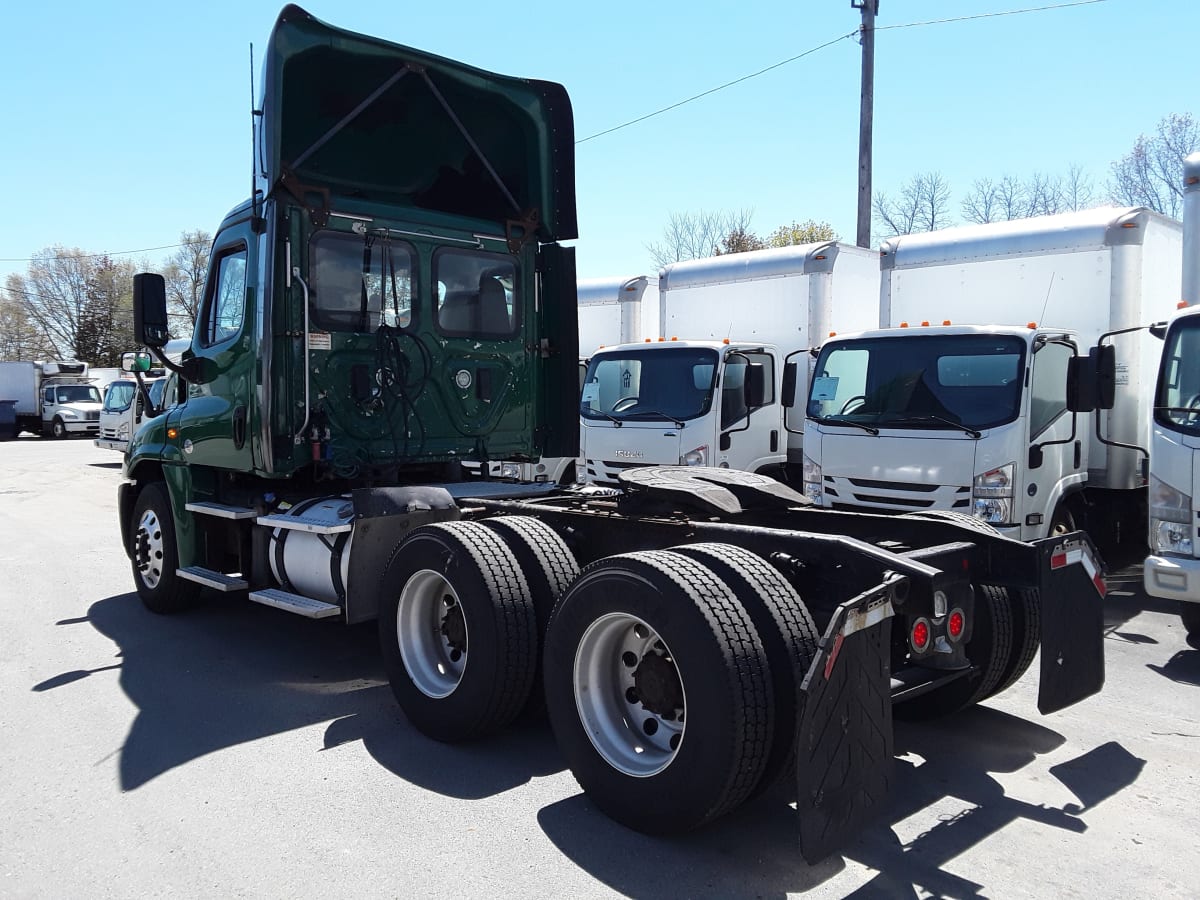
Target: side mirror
[[791, 375], [150, 309], [755, 386], [1105, 357], [136, 362], [1081, 384]]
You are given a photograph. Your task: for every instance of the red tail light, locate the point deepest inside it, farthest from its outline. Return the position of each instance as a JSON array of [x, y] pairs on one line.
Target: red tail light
[[956, 624], [919, 637]]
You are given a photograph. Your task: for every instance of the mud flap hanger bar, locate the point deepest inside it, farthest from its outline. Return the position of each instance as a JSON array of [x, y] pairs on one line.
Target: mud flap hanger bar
[[519, 229]]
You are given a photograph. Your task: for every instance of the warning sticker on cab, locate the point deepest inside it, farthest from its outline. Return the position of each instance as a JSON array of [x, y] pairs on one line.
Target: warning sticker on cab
[[319, 340]]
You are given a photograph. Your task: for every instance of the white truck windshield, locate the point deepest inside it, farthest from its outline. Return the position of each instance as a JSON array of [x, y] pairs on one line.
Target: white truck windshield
[[655, 383]]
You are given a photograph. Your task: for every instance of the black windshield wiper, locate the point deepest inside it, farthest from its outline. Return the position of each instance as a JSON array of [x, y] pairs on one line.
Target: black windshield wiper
[[966, 429], [824, 420], [600, 412], [679, 423]]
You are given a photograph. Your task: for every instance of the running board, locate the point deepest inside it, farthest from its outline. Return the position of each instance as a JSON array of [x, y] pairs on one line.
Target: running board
[[302, 523], [294, 603], [221, 510], [218, 581]]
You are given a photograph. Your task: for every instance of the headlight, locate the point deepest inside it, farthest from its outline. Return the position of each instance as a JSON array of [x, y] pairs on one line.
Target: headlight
[[697, 457], [992, 495], [123, 431], [68, 414], [1170, 519], [813, 480], [510, 470]]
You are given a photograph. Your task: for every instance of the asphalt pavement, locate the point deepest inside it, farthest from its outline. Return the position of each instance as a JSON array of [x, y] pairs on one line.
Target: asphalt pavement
[[240, 751]]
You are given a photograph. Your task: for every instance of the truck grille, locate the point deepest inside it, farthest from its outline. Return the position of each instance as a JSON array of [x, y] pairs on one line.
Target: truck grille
[[607, 471], [92, 416], [896, 496]]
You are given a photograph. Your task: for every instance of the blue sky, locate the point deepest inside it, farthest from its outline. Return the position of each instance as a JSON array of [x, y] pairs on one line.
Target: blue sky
[[126, 123]]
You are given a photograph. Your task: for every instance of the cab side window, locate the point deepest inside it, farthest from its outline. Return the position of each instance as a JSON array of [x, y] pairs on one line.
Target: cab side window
[[225, 304], [1048, 393]]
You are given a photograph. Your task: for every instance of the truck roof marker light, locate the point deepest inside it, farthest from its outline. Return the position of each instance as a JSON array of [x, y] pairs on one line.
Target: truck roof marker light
[[833, 334], [661, 339], [724, 340], [647, 340], [925, 323], [1031, 324], [674, 338], [1182, 304], [903, 324], [945, 321]]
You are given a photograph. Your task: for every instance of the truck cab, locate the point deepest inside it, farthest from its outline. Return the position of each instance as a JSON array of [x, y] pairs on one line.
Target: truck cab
[[70, 408], [974, 420], [688, 403]]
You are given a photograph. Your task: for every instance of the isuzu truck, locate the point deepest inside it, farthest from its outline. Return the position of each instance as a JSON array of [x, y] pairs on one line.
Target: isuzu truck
[[1172, 569], [393, 298], [961, 400], [714, 388]]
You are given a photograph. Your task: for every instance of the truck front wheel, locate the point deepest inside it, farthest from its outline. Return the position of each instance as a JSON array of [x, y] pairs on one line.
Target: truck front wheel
[[58, 428], [658, 691], [458, 631], [154, 555]]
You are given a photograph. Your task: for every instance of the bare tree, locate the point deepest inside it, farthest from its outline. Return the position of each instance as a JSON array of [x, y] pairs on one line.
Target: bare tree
[[1041, 194], [808, 232], [82, 303], [20, 338], [923, 205], [184, 273], [697, 235], [1150, 173]]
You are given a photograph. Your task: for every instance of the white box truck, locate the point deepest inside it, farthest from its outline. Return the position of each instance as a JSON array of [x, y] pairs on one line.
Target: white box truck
[[971, 415], [611, 311], [711, 390], [55, 397], [1172, 569]]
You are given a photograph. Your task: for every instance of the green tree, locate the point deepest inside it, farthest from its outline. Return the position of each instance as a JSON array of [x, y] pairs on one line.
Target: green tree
[[808, 232], [740, 240]]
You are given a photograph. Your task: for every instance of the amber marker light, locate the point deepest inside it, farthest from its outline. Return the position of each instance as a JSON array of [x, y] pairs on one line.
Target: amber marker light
[[172, 433]]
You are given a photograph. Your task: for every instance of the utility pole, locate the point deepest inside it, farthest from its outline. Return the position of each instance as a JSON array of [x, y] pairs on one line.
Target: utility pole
[[869, 9]]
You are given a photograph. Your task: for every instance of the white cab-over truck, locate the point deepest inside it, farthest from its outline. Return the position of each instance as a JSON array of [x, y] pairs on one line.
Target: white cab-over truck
[[135, 396], [714, 389], [55, 398], [1172, 569], [978, 418]]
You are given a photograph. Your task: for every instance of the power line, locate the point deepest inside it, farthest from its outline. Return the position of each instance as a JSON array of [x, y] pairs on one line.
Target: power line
[[108, 253], [830, 43], [659, 112], [991, 15]]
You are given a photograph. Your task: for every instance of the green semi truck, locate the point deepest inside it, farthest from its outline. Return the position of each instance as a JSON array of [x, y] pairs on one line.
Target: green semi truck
[[395, 297]]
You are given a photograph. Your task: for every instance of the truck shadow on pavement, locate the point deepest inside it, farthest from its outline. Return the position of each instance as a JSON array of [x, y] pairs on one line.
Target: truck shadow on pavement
[[231, 671], [943, 782]]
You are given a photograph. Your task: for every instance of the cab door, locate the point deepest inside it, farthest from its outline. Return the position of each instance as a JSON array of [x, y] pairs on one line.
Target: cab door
[[214, 422]]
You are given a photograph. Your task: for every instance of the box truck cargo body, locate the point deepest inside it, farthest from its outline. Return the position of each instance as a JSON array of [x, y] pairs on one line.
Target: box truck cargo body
[[752, 315], [924, 414], [616, 311]]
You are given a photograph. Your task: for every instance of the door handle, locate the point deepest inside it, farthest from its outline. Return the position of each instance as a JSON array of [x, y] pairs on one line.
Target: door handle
[[239, 427]]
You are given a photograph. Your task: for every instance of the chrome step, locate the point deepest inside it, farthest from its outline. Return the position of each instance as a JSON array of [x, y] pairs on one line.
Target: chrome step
[[218, 581], [304, 606], [302, 523], [221, 510]]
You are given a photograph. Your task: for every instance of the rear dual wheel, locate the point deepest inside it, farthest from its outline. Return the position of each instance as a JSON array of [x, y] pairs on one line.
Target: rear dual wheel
[[458, 631], [659, 691]]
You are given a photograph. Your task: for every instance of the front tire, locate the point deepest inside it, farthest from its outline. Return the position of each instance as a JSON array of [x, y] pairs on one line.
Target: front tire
[[58, 429], [155, 555], [658, 691], [458, 631]]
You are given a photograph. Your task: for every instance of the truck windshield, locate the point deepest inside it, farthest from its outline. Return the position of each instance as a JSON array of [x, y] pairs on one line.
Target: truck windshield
[[656, 383], [76, 393], [944, 382], [1177, 399]]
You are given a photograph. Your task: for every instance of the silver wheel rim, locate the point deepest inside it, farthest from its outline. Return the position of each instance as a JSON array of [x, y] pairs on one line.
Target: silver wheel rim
[[632, 738], [148, 548], [431, 632]]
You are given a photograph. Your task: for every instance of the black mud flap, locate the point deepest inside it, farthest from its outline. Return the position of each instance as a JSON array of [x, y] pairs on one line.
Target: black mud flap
[[844, 744], [1072, 595]]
